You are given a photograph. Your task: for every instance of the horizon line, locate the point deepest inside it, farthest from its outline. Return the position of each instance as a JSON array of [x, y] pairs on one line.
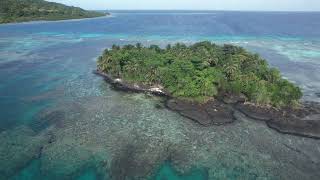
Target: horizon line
[[205, 10]]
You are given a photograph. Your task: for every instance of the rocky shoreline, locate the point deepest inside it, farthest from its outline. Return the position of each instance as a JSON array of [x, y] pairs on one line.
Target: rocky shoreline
[[304, 121], [118, 84], [301, 122], [210, 113]]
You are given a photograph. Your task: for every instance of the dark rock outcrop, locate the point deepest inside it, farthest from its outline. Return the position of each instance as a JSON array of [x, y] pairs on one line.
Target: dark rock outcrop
[[257, 113], [232, 99], [296, 126], [304, 121], [127, 87], [210, 113]]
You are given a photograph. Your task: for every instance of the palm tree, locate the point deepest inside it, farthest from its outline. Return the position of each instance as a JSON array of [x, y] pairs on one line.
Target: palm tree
[[231, 70]]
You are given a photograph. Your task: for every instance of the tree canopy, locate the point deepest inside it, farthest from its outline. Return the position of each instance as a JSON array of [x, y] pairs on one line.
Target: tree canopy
[[201, 71], [28, 10]]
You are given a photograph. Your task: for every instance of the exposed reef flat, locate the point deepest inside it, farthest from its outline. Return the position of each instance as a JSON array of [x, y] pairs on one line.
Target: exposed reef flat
[[211, 113], [304, 121]]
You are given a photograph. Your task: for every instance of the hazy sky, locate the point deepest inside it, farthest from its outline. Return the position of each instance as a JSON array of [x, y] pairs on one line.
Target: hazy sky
[[274, 5]]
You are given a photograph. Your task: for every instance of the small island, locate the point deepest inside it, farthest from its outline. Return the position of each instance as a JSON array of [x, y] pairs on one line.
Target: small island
[[34, 10], [208, 83]]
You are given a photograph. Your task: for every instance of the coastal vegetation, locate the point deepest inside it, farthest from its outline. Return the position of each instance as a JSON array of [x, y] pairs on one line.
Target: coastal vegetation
[[200, 72], [30, 10]]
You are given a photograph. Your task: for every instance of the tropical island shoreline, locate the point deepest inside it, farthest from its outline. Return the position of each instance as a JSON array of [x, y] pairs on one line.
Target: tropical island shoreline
[[222, 111], [17, 11], [208, 84], [52, 21]]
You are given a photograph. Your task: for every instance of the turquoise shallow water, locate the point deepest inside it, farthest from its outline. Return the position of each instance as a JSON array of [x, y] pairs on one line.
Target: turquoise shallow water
[[60, 121]]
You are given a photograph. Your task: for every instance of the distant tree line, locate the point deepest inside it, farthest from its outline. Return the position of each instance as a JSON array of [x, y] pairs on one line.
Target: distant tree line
[[201, 71], [28, 10]]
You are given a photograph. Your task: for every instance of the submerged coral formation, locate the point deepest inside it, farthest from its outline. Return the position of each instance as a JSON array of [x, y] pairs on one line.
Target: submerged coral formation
[[97, 134], [18, 147]]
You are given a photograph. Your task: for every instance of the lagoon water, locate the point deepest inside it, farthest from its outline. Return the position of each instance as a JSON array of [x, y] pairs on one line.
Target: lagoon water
[[60, 121]]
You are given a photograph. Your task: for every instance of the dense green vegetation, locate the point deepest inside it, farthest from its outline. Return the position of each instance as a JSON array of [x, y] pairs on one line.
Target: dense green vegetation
[[28, 10], [201, 71]]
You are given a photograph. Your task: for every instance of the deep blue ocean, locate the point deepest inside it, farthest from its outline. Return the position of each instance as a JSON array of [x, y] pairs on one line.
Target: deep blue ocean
[[60, 121]]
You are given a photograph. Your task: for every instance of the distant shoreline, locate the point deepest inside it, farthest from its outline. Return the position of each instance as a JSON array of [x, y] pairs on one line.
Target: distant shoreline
[[52, 21], [15, 11], [189, 10]]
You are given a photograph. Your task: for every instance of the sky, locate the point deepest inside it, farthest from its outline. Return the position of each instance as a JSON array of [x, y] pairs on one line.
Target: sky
[[242, 5]]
